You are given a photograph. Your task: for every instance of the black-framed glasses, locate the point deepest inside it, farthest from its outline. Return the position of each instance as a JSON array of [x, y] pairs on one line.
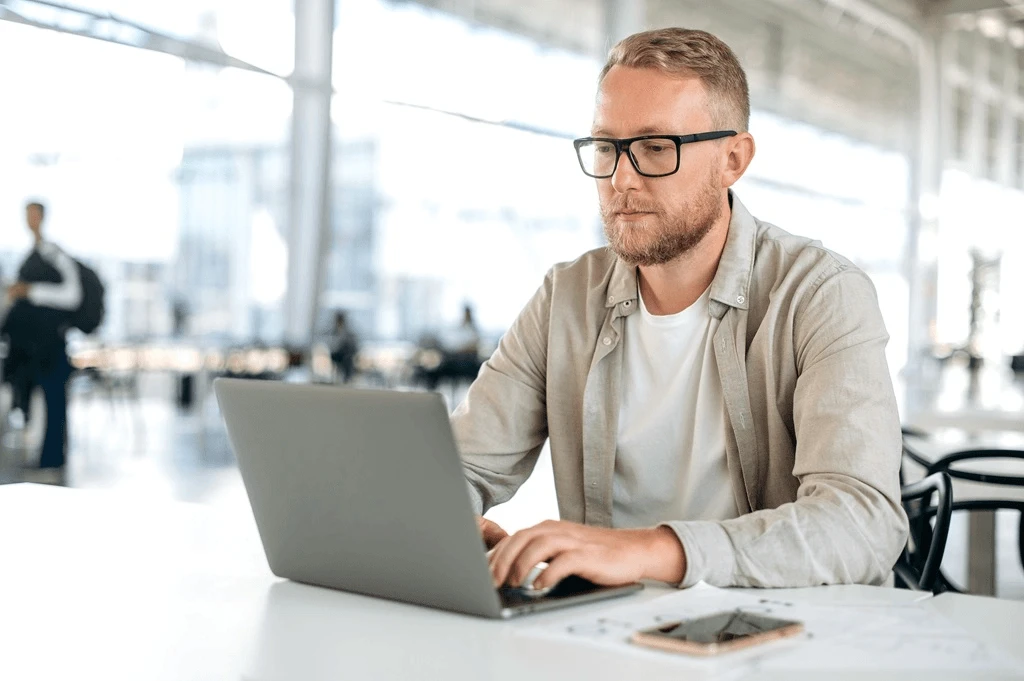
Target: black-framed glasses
[[651, 155]]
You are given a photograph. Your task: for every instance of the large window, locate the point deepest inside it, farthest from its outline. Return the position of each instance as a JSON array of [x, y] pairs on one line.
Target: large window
[[455, 179], [136, 155]]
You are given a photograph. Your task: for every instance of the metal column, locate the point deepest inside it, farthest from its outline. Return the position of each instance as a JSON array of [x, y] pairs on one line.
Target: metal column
[[309, 228], [926, 165]]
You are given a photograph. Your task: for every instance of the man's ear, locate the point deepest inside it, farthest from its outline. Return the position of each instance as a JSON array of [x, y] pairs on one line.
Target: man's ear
[[739, 153]]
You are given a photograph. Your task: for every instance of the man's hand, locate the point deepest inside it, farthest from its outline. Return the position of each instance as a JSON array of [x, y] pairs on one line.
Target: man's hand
[[490, 531], [17, 291], [604, 556]]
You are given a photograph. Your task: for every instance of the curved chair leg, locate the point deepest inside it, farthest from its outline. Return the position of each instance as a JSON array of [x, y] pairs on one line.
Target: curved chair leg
[[1020, 538], [906, 577], [929, 544]]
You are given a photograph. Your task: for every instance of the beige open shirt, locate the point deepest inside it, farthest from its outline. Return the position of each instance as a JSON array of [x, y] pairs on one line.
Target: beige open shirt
[[813, 436]]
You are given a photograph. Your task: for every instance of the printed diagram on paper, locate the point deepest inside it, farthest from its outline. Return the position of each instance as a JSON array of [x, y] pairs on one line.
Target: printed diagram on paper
[[837, 636]]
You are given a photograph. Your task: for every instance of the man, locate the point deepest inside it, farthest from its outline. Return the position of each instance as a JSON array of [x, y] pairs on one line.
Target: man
[[48, 289], [715, 390], [344, 346]]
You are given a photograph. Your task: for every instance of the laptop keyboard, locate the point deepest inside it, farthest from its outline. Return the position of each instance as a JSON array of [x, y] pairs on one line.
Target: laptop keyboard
[[570, 586]]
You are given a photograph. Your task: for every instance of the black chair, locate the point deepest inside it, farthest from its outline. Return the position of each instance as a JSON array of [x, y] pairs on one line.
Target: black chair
[[946, 465], [919, 565], [912, 432]]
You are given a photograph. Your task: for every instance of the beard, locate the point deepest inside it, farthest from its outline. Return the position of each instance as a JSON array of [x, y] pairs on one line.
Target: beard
[[661, 237]]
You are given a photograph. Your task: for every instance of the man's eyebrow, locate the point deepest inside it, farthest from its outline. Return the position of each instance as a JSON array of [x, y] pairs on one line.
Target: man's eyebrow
[[651, 131], [639, 133]]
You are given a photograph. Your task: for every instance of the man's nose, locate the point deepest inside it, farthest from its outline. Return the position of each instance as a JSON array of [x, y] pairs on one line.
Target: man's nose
[[625, 176]]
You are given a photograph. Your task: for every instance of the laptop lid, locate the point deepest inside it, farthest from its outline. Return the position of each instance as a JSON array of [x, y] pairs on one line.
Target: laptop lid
[[360, 490]]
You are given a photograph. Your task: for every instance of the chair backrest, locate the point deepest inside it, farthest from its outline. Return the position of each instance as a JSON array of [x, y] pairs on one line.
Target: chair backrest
[[945, 464], [907, 450], [918, 567], [960, 473]]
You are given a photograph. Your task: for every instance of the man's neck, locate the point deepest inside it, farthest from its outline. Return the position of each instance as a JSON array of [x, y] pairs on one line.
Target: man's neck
[[676, 285]]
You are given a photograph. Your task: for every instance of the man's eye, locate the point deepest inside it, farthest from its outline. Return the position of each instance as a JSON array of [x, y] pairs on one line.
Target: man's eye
[[604, 148]]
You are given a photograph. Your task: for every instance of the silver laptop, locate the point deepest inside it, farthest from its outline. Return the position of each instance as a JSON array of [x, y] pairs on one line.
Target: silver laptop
[[362, 490]]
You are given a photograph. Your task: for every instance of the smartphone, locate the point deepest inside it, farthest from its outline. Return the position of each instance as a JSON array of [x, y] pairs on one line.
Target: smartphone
[[719, 633]]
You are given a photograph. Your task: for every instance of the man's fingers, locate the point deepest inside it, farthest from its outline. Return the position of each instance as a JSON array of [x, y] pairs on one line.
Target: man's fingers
[[513, 560], [491, 532], [501, 557], [604, 556], [543, 548], [565, 564], [505, 554]]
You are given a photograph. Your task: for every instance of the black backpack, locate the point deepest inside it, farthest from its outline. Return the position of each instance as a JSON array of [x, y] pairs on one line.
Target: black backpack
[[89, 314]]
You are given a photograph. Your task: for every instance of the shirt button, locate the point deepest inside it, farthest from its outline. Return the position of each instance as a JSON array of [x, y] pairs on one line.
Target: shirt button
[[611, 299], [740, 299], [627, 303], [607, 341]]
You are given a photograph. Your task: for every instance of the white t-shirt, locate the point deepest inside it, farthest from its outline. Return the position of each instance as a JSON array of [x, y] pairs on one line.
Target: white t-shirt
[[670, 460]]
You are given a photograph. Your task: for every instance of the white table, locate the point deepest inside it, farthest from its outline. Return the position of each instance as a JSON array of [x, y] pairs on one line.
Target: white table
[[98, 586], [998, 621], [981, 550]]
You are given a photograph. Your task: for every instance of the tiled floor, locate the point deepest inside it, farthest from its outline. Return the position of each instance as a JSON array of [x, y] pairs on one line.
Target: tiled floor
[[145, 446]]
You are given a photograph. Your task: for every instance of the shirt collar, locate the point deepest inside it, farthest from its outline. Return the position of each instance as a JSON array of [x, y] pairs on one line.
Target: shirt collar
[[732, 280], [731, 284], [622, 285]]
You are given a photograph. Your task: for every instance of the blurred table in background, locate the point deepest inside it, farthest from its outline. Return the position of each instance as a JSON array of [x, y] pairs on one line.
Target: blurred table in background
[[951, 395]]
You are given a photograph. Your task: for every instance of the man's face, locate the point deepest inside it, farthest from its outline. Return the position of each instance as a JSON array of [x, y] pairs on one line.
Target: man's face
[[653, 220], [34, 218]]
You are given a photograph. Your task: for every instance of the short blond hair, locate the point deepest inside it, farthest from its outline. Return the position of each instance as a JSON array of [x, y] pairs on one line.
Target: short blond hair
[[688, 52]]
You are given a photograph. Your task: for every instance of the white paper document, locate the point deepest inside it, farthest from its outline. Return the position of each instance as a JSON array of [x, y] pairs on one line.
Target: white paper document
[[853, 636]]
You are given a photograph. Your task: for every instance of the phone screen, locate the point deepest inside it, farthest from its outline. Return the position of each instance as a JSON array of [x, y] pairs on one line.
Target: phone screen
[[720, 628]]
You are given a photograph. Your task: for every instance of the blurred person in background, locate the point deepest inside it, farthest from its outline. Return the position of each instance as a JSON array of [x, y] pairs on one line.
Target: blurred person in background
[[461, 344], [714, 389], [344, 346], [453, 355], [48, 290], [179, 317]]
